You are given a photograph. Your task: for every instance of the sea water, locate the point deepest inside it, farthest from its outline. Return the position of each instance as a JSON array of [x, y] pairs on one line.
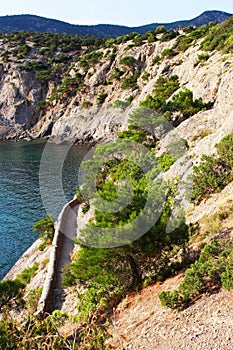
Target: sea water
[[20, 193]]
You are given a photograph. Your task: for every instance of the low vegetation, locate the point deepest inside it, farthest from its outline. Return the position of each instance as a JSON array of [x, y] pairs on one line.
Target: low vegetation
[[219, 37], [191, 36], [214, 269], [25, 276], [11, 294], [214, 172], [101, 98], [12, 291], [130, 81], [123, 104], [34, 333], [45, 228], [179, 107]]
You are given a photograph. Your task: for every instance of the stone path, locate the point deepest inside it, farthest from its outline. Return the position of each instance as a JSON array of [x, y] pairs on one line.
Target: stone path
[[69, 230]]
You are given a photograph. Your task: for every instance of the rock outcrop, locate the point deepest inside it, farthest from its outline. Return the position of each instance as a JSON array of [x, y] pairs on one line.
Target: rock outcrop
[[20, 93]]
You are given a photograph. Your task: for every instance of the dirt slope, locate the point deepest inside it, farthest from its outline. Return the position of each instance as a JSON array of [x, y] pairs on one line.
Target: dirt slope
[[140, 322]]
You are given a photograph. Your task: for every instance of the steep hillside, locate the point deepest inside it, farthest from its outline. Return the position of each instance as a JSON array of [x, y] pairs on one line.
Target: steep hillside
[[9, 24], [140, 322], [157, 192]]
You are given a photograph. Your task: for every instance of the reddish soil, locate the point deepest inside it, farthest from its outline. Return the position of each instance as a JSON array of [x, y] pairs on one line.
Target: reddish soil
[[140, 322]]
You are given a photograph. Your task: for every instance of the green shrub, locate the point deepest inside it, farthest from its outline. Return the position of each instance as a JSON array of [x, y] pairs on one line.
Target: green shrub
[[225, 149], [171, 300], [151, 37], [160, 29], [44, 244], [123, 104], [133, 135], [166, 87], [33, 333], [169, 35], [125, 38], [163, 89], [36, 66], [209, 177], [227, 275], [22, 50], [32, 300], [145, 76], [214, 172], [203, 57], [79, 194], [109, 42], [168, 53], [146, 120], [116, 74], [26, 275], [6, 59], [41, 106], [84, 64], [157, 59], [128, 61], [86, 104], [45, 227], [93, 58], [43, 75], [130, 82], [11, 293], [138, 40], [101, 97], [212, 270], [85, 208], [188, 29], [184, 103], [219, 37], [70, 85], [185, 41], [166, 161]]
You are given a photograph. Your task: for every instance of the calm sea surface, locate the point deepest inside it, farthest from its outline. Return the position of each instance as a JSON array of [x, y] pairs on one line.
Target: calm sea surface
[[24, 195]]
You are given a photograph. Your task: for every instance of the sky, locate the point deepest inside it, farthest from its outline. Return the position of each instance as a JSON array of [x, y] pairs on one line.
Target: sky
[[123, 12]]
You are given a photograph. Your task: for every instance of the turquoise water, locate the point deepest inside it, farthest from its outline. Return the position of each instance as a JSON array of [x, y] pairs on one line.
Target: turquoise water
[[20, 196]]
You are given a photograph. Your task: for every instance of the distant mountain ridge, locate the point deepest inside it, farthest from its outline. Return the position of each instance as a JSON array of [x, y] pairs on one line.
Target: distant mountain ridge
[[42, 24]]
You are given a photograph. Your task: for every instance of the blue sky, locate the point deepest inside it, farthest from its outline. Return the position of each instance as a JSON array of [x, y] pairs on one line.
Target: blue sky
[[125, 12]]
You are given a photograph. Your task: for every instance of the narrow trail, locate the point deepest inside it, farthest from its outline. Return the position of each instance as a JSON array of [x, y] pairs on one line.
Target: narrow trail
[[69, 231]]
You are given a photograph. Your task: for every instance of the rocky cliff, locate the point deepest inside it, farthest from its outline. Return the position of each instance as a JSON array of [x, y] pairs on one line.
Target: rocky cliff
[[19, 94], [85, 100]]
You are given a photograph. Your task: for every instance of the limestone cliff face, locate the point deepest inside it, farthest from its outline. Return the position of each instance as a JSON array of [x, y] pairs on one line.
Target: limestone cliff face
[[82, 117], [102, 122], [211, 80], [96, 125], [19, 96]]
